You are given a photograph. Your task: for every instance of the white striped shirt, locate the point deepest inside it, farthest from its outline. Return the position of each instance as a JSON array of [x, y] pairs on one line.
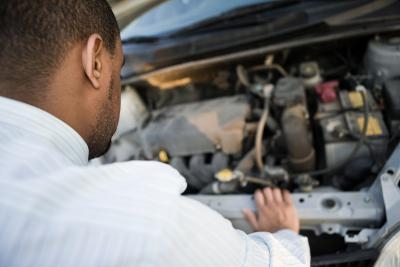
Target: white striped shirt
[[55, 210]]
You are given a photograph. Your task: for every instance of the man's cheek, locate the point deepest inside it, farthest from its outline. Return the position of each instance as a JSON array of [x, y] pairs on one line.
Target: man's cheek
[[117, 104]]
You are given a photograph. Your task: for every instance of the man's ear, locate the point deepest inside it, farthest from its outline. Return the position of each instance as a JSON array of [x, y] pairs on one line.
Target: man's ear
[[91, 59]]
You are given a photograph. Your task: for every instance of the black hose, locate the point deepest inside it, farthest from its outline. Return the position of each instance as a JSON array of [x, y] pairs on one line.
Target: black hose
[[354, 152]]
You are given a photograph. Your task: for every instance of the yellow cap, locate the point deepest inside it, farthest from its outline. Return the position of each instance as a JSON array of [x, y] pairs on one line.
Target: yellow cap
[[224, 175], [163, 156]]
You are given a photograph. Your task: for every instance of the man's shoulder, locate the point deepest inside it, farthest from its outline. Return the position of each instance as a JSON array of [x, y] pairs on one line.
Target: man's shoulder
[[135, 196], [130, 194]]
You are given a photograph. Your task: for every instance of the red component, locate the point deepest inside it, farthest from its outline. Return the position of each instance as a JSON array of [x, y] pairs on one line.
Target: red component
[[327, 91]]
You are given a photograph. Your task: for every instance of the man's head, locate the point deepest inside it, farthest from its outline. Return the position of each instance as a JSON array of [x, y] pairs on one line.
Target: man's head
[[64, 56]]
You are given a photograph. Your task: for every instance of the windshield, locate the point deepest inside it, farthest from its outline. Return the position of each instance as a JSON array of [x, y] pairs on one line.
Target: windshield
[[173, 15]]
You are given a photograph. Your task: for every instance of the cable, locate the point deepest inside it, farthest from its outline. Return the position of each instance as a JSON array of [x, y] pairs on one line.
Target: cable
[[242, 76], [355, 150], [269, 64], [279, 68], [259, 136], [256, 180]]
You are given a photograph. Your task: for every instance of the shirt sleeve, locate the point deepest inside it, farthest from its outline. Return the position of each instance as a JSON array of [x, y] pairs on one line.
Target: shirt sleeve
[[199, 236]]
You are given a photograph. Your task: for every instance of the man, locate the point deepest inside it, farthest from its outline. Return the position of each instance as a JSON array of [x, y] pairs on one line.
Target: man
[[59, 106]]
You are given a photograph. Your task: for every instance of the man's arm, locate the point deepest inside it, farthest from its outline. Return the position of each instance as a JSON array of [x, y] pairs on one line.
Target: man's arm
[[200, 236]]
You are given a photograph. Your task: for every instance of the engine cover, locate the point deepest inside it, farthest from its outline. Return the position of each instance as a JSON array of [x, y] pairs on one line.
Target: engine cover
[[197, 128]]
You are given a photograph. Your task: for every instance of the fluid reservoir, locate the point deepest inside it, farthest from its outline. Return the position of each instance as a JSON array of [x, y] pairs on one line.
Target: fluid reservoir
[[382, 59]]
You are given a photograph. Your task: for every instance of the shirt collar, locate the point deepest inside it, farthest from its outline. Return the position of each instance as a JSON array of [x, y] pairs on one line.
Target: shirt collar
[[38, 122]]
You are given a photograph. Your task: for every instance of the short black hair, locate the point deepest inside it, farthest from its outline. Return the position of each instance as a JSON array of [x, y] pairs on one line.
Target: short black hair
[[35, 36]]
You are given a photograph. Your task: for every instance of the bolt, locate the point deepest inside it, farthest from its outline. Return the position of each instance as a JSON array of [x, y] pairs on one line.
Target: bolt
[[367, 199]]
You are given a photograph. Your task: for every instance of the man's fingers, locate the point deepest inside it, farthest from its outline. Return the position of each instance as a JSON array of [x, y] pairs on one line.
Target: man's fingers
[[259, 198], [287, 198], [277, 193], [269, 199], [251, 218]]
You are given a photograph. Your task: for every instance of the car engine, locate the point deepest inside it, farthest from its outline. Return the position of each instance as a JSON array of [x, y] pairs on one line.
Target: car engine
[[301, 119], [320, 119]]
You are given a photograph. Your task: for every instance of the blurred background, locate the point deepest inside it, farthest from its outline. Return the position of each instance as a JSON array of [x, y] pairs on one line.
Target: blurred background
[[126, 10]]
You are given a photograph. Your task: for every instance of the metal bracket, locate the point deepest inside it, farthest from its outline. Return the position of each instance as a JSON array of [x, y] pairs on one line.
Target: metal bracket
[[388, 182], [360, 238], [333, 212]]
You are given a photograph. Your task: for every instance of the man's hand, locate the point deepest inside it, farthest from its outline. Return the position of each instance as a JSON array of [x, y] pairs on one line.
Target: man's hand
[[275, 211]]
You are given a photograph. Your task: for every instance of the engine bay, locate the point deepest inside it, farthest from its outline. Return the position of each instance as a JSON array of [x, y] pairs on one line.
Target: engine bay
[[305, 119], [321, 120]]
